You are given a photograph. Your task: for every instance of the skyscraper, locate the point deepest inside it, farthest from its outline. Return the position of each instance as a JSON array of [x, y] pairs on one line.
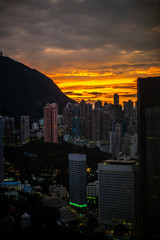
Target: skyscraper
[[68, 114], [1, 150], [98, 104], [50, 123], [85, 116], [8, 130], [24, 129], [128, 108], [96, 124], [77, 180], [116, 99], [118, 194], [149, 153], [76, 128]]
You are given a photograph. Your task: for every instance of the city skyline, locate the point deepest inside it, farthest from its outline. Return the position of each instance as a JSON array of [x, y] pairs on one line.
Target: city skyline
[[104, 167], [90, 49]]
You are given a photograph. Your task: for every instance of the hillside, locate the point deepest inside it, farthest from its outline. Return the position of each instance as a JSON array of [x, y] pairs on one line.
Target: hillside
[[26, 91]]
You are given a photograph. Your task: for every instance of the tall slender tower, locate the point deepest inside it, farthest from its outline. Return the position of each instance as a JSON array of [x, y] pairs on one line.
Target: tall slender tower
[[50, 123], [77, 179], [8, 130], [1, 150], [116, 99], [24, 129], [149, 153]]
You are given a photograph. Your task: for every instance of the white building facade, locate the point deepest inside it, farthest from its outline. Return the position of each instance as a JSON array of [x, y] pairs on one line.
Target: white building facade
[[118, 193]]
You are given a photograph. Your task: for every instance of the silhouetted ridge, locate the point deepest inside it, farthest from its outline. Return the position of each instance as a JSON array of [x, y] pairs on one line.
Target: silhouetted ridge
[[26, 91]]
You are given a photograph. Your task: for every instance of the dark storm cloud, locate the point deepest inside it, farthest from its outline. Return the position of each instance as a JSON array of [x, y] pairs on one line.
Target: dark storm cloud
[[73, 93], [79, 24], [128, 95], [125, 87], [129, 66], [95, 93], [83, 87]]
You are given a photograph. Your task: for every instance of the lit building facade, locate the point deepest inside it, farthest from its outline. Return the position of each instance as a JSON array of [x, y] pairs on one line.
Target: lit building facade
[[77, 180], [118, 193], [50, 123], [92, 189]]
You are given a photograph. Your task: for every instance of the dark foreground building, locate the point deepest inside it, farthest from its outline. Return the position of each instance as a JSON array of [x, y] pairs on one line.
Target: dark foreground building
[[149, 152], [1, 151]]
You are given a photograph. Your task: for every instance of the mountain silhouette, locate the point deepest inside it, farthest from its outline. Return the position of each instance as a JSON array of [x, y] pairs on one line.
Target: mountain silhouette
[[25, 91]]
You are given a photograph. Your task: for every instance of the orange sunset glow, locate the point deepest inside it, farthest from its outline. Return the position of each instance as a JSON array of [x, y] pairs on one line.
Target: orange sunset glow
[[93, 86], [91, 49]]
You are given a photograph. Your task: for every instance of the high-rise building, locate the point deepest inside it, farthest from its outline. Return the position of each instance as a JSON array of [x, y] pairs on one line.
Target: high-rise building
[[24, 129], [128, 108], [149, 154], [116, 99], [76, 128], [105, 126], [85, 116], [82, 108], [113, 146], [118, 194], [118, 132], [77, 180], [1, 150], [96, 124], [68, 114], [50, 123], [98, 104], [8, 130]]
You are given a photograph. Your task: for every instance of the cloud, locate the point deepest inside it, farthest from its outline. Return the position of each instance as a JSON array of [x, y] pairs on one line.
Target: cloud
[[90, 87], [156, 29], [128, 95], [118, 37], [79, 24], [69, 92], [95, 93], [133, 86], [73, 93]]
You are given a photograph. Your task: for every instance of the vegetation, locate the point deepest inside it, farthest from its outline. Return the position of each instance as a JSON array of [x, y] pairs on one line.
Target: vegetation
[[48, 157], [26, 91], [50, 160]]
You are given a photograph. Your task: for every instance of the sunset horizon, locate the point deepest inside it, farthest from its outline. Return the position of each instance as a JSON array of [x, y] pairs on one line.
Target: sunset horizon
[[80, 119], [93, 85], [91, 49]]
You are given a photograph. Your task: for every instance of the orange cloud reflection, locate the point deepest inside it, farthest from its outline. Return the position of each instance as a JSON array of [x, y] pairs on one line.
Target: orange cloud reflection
[[97, 85]]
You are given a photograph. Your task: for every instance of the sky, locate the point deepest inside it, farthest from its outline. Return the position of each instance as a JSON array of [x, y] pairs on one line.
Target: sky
[[90, 48]]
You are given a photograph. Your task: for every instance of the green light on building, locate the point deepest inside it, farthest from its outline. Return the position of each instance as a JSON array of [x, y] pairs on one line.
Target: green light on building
[[77, 205], [91, 197]]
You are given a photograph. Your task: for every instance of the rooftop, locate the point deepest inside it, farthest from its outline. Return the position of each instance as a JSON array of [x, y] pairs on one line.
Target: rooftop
[[11, 183], [120, 162]]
